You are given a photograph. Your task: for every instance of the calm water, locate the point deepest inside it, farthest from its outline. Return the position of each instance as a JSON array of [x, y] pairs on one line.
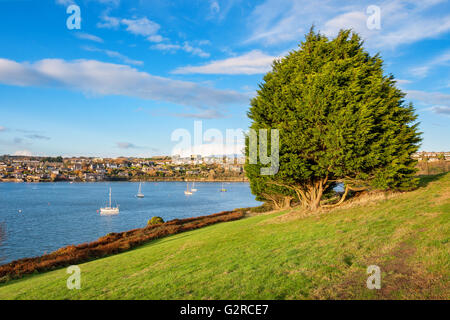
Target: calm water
[[42, 217]]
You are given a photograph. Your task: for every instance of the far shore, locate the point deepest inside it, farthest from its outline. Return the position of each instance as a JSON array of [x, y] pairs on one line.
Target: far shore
[[133, 180]]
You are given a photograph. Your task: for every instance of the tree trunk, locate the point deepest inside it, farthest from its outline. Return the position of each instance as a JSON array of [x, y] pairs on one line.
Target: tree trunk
[[287, 202], [316, 191], [309, 195]]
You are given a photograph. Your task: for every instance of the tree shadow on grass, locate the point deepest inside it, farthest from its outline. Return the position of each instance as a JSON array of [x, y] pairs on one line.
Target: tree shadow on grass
[[424, 180]]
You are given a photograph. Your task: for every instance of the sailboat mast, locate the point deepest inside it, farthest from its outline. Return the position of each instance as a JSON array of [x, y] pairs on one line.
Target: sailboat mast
[[110, 198]]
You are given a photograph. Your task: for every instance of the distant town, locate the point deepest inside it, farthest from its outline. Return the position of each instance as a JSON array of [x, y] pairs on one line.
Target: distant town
[[163, 168], [431, 156], [85, 169]]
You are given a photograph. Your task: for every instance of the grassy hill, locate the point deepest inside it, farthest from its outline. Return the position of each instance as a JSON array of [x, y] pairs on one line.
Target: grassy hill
[[281, 256]]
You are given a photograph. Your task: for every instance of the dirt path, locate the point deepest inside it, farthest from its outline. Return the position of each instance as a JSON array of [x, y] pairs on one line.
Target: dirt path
[[400, 279]]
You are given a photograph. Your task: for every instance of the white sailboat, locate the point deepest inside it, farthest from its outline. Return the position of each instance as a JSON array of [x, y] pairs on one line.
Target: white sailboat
[[223, 189], [110, 210], [193, 187], [140, 194], [187, 192]]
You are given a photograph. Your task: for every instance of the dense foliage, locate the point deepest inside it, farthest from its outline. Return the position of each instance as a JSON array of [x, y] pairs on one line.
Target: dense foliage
[[52, 159], [340, 120], [155, 220]]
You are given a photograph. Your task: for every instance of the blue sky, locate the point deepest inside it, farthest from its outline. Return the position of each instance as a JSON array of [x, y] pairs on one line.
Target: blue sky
[[138, 70]]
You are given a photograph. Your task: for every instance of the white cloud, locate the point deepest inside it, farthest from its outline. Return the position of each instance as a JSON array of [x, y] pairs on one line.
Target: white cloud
[[2, 129], [253, 62], [166, 47], [441, 110], [277, 21], [142, 26], [65, 2], [26, 153], [108, 22], [439, 102], [403, 81], [206, 114], [219, 10], [110, 2], [100, 78], [20, 74], [202, 42], [195, 51], [422, 29], [214, 7], [422, 71], [186, 47], [436, 98], [155, 38], [149, 29], [37, 137], [115, 54], [355, 20], [126, 145], [137, 26], [402, 22], [107, 2], [87, 36]]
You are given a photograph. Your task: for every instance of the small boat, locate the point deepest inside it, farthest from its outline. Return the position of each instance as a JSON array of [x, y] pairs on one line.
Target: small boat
[[193, 189], [140, 194], [187, 192], [110, 210], [223, 189]]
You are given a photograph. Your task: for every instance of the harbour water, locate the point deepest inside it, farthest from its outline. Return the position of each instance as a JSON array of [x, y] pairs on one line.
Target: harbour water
[[38, 218]]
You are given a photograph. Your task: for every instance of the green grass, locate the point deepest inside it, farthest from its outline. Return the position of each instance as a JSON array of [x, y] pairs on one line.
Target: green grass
[[280, 256]]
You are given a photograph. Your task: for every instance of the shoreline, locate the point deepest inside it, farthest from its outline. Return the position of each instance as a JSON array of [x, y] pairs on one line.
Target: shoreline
[[118, 180], [112, 244], [135, 181]]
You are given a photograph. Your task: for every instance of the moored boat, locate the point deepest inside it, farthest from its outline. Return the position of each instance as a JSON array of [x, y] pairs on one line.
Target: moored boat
[[110, 210], [140, 194]]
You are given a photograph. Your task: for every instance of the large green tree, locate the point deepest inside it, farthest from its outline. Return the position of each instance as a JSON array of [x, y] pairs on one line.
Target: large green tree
[[340, 120]]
